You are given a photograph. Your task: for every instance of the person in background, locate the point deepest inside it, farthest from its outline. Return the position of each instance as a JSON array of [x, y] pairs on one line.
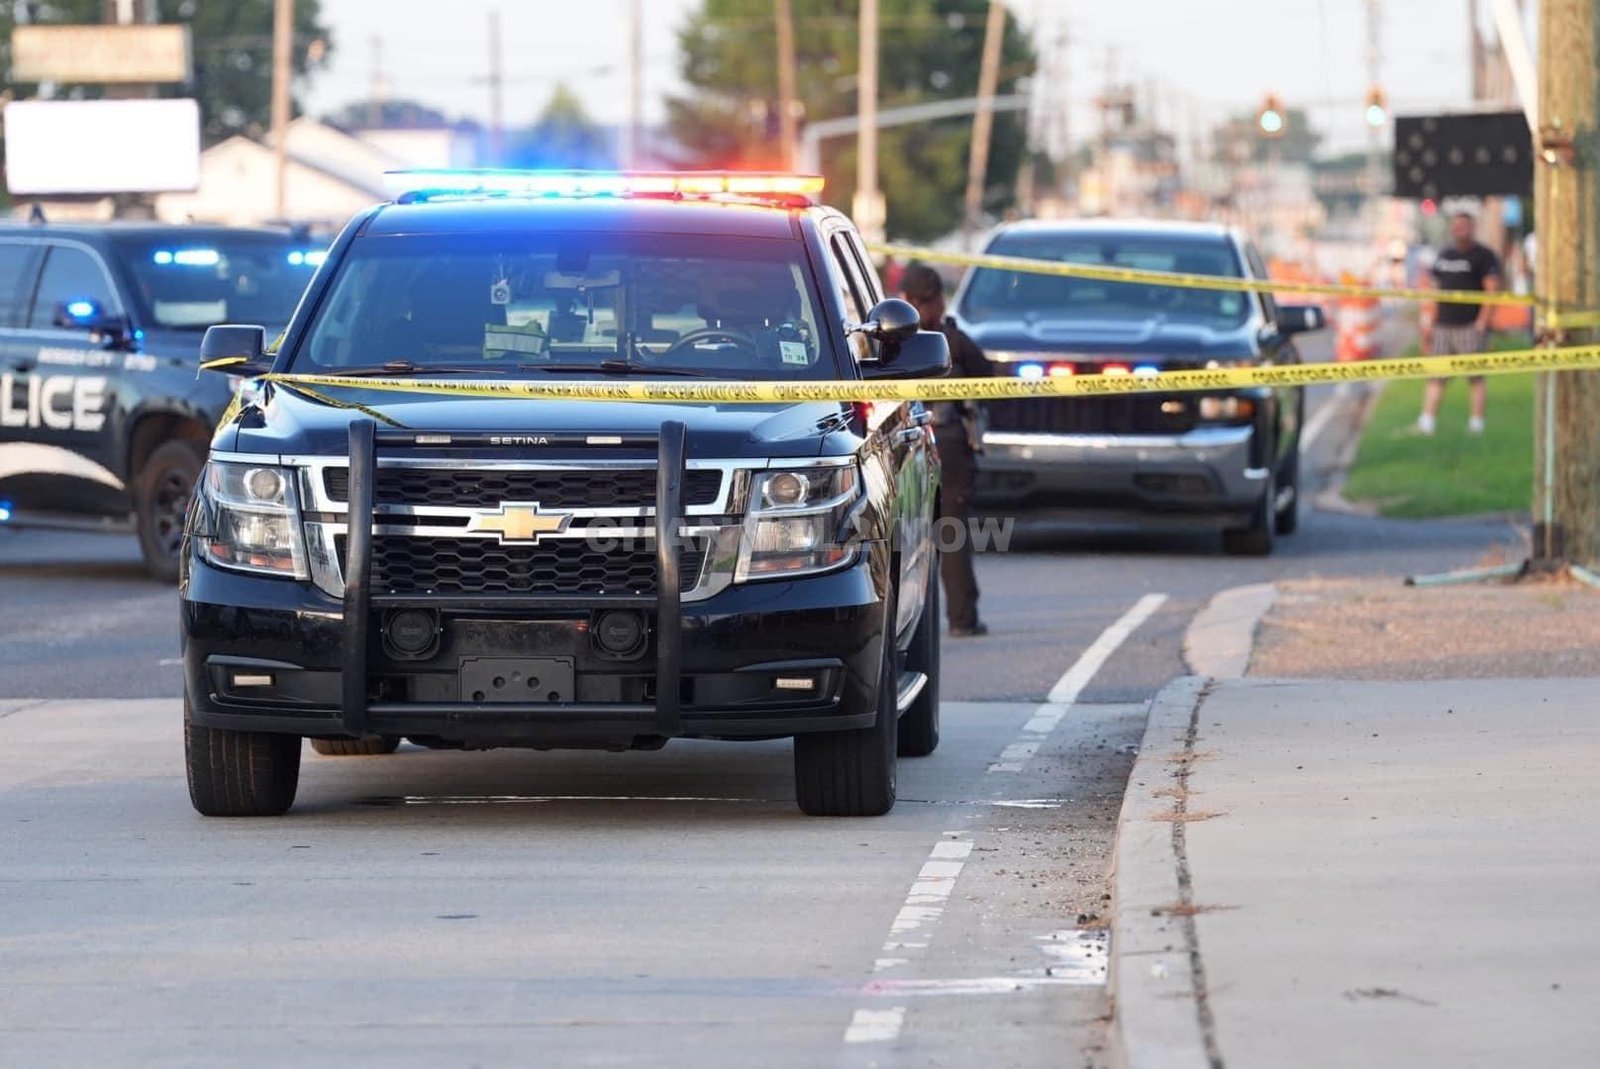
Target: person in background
[[956, 430], [1458, 329]]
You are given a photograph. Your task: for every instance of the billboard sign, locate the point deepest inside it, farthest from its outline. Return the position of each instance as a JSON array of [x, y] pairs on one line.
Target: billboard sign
[[102, 146], [101, 54]]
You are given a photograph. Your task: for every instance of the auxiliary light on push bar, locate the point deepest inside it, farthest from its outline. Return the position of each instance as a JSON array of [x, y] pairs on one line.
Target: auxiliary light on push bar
[[447, 183]]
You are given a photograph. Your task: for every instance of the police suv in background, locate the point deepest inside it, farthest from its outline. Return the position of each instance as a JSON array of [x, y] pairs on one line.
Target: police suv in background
[[103, 420]]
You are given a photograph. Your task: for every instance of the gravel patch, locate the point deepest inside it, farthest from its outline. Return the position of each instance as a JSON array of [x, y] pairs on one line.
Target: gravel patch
[[1380, 629]]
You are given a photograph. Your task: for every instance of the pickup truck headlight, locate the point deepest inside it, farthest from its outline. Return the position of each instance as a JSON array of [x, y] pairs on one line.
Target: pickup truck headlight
[[250, 520], [798, 523]]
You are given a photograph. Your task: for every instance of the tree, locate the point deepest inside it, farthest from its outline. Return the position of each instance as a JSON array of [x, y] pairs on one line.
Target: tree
[[931, 50], [232, 46], [564, 136]]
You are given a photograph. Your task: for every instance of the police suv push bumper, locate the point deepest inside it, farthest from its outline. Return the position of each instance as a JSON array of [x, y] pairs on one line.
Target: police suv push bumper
[[307, 658]]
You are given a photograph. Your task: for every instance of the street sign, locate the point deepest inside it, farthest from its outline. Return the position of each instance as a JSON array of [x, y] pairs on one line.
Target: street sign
[[1479, 155], [101, 54], [102, 146]]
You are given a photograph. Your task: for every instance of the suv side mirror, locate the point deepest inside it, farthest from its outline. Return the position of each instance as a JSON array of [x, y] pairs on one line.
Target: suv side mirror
[[924, 355], [235, 349], [84, 314], [1300, 318], [891, 323]]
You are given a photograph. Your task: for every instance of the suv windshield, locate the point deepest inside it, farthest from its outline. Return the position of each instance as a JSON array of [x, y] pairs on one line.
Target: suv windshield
[[572, 302], [185, 283], [1016, 295]]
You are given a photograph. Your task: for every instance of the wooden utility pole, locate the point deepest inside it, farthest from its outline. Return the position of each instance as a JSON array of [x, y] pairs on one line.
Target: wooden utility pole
[[1567, 454], [633, 147], [497, 93], [868, 208], [784, 11], [983, 121], [282, 76]]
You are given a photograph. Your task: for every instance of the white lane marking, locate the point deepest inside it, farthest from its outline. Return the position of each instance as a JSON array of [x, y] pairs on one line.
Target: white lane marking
[[1323, 416], [1047, 717], [922, 909], [875, 1026], [168, 662], [1074, 679], [1080, 955]]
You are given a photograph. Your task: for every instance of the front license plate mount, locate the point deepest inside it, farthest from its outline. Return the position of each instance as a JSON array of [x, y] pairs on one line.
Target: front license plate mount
[[491, 680]]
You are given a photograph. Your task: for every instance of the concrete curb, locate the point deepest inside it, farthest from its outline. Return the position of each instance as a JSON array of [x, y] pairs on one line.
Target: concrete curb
[[1221, 636], [1155, 1022]]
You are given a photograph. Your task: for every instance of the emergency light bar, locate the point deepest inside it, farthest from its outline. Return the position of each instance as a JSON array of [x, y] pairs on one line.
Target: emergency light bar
[[426, 184]]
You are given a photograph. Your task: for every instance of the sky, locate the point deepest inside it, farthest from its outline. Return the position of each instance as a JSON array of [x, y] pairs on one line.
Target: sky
[[1201, 59]]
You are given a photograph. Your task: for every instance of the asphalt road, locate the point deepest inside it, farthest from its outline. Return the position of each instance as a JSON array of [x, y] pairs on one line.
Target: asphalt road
[[667, 908]]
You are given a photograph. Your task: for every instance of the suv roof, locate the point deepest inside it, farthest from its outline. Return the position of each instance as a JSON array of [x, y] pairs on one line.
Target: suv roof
[[116, 228], [1178, 228]]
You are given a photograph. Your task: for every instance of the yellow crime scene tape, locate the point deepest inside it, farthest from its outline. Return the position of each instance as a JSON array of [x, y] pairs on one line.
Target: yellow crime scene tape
[[1569, 358], [1104, 273]]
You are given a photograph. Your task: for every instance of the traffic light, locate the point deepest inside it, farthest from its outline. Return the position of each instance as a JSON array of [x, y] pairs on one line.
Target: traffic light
[[1270, 119], [1377, 107]]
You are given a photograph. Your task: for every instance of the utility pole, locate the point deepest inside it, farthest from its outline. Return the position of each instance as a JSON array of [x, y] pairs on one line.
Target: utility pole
[[282, 73], [994, 33], [868, 208], [378, 92], [784, 12], [1567, 453], [1374, 58], [497, 93], [633, 150]]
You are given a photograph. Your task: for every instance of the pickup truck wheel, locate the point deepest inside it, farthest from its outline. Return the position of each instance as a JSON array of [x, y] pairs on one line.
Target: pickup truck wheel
[[919, 727], [1256, 539], [161, 492], [240, 773], [356, 747], [852, 773], [1288, 518]]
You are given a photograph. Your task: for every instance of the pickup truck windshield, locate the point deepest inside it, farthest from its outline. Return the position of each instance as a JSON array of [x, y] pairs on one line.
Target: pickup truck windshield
[[191, 284], [1016, 295], [571, 303]]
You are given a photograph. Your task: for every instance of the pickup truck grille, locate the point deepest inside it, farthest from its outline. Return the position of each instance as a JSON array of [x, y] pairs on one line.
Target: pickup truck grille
[[565, 566], [489, 488], [1140, 414]]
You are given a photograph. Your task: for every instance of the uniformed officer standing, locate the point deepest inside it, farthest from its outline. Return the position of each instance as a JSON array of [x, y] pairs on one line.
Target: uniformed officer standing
[[956, 428]]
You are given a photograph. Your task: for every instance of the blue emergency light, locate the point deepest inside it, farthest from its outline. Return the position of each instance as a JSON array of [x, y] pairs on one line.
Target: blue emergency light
[[82, 310], [187, 257], [307, 257], [426, 183]]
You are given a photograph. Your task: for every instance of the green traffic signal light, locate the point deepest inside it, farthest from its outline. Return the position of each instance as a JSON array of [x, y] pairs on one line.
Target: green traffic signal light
[[1271, 122]]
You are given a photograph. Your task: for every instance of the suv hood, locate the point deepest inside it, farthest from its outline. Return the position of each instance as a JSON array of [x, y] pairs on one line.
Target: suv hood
[[1156, 338], [287, 422]]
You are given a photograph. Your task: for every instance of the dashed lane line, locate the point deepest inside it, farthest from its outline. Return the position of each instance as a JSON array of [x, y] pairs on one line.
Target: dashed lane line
[[1045, 719], [911, 931]]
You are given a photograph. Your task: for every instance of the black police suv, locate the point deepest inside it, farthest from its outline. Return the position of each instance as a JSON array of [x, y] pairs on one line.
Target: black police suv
[[103, 419], [1229, 460], [469, 570]]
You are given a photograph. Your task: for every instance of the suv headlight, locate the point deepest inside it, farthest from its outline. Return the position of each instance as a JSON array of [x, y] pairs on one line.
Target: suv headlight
[[250, 520], [799, 523]]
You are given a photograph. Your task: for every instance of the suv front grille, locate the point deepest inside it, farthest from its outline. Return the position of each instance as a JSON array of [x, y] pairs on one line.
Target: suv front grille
[[557, 566], [1140, 414], [490, 488]]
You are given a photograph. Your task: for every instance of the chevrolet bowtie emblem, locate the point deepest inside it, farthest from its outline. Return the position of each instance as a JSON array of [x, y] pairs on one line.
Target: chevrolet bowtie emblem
[[518, 523]]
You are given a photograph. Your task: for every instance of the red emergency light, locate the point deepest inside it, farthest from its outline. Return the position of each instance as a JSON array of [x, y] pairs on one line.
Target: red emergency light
[[436, 184]]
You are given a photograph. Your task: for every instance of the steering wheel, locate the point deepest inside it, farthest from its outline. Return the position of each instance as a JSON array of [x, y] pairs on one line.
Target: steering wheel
[[694, 337]]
